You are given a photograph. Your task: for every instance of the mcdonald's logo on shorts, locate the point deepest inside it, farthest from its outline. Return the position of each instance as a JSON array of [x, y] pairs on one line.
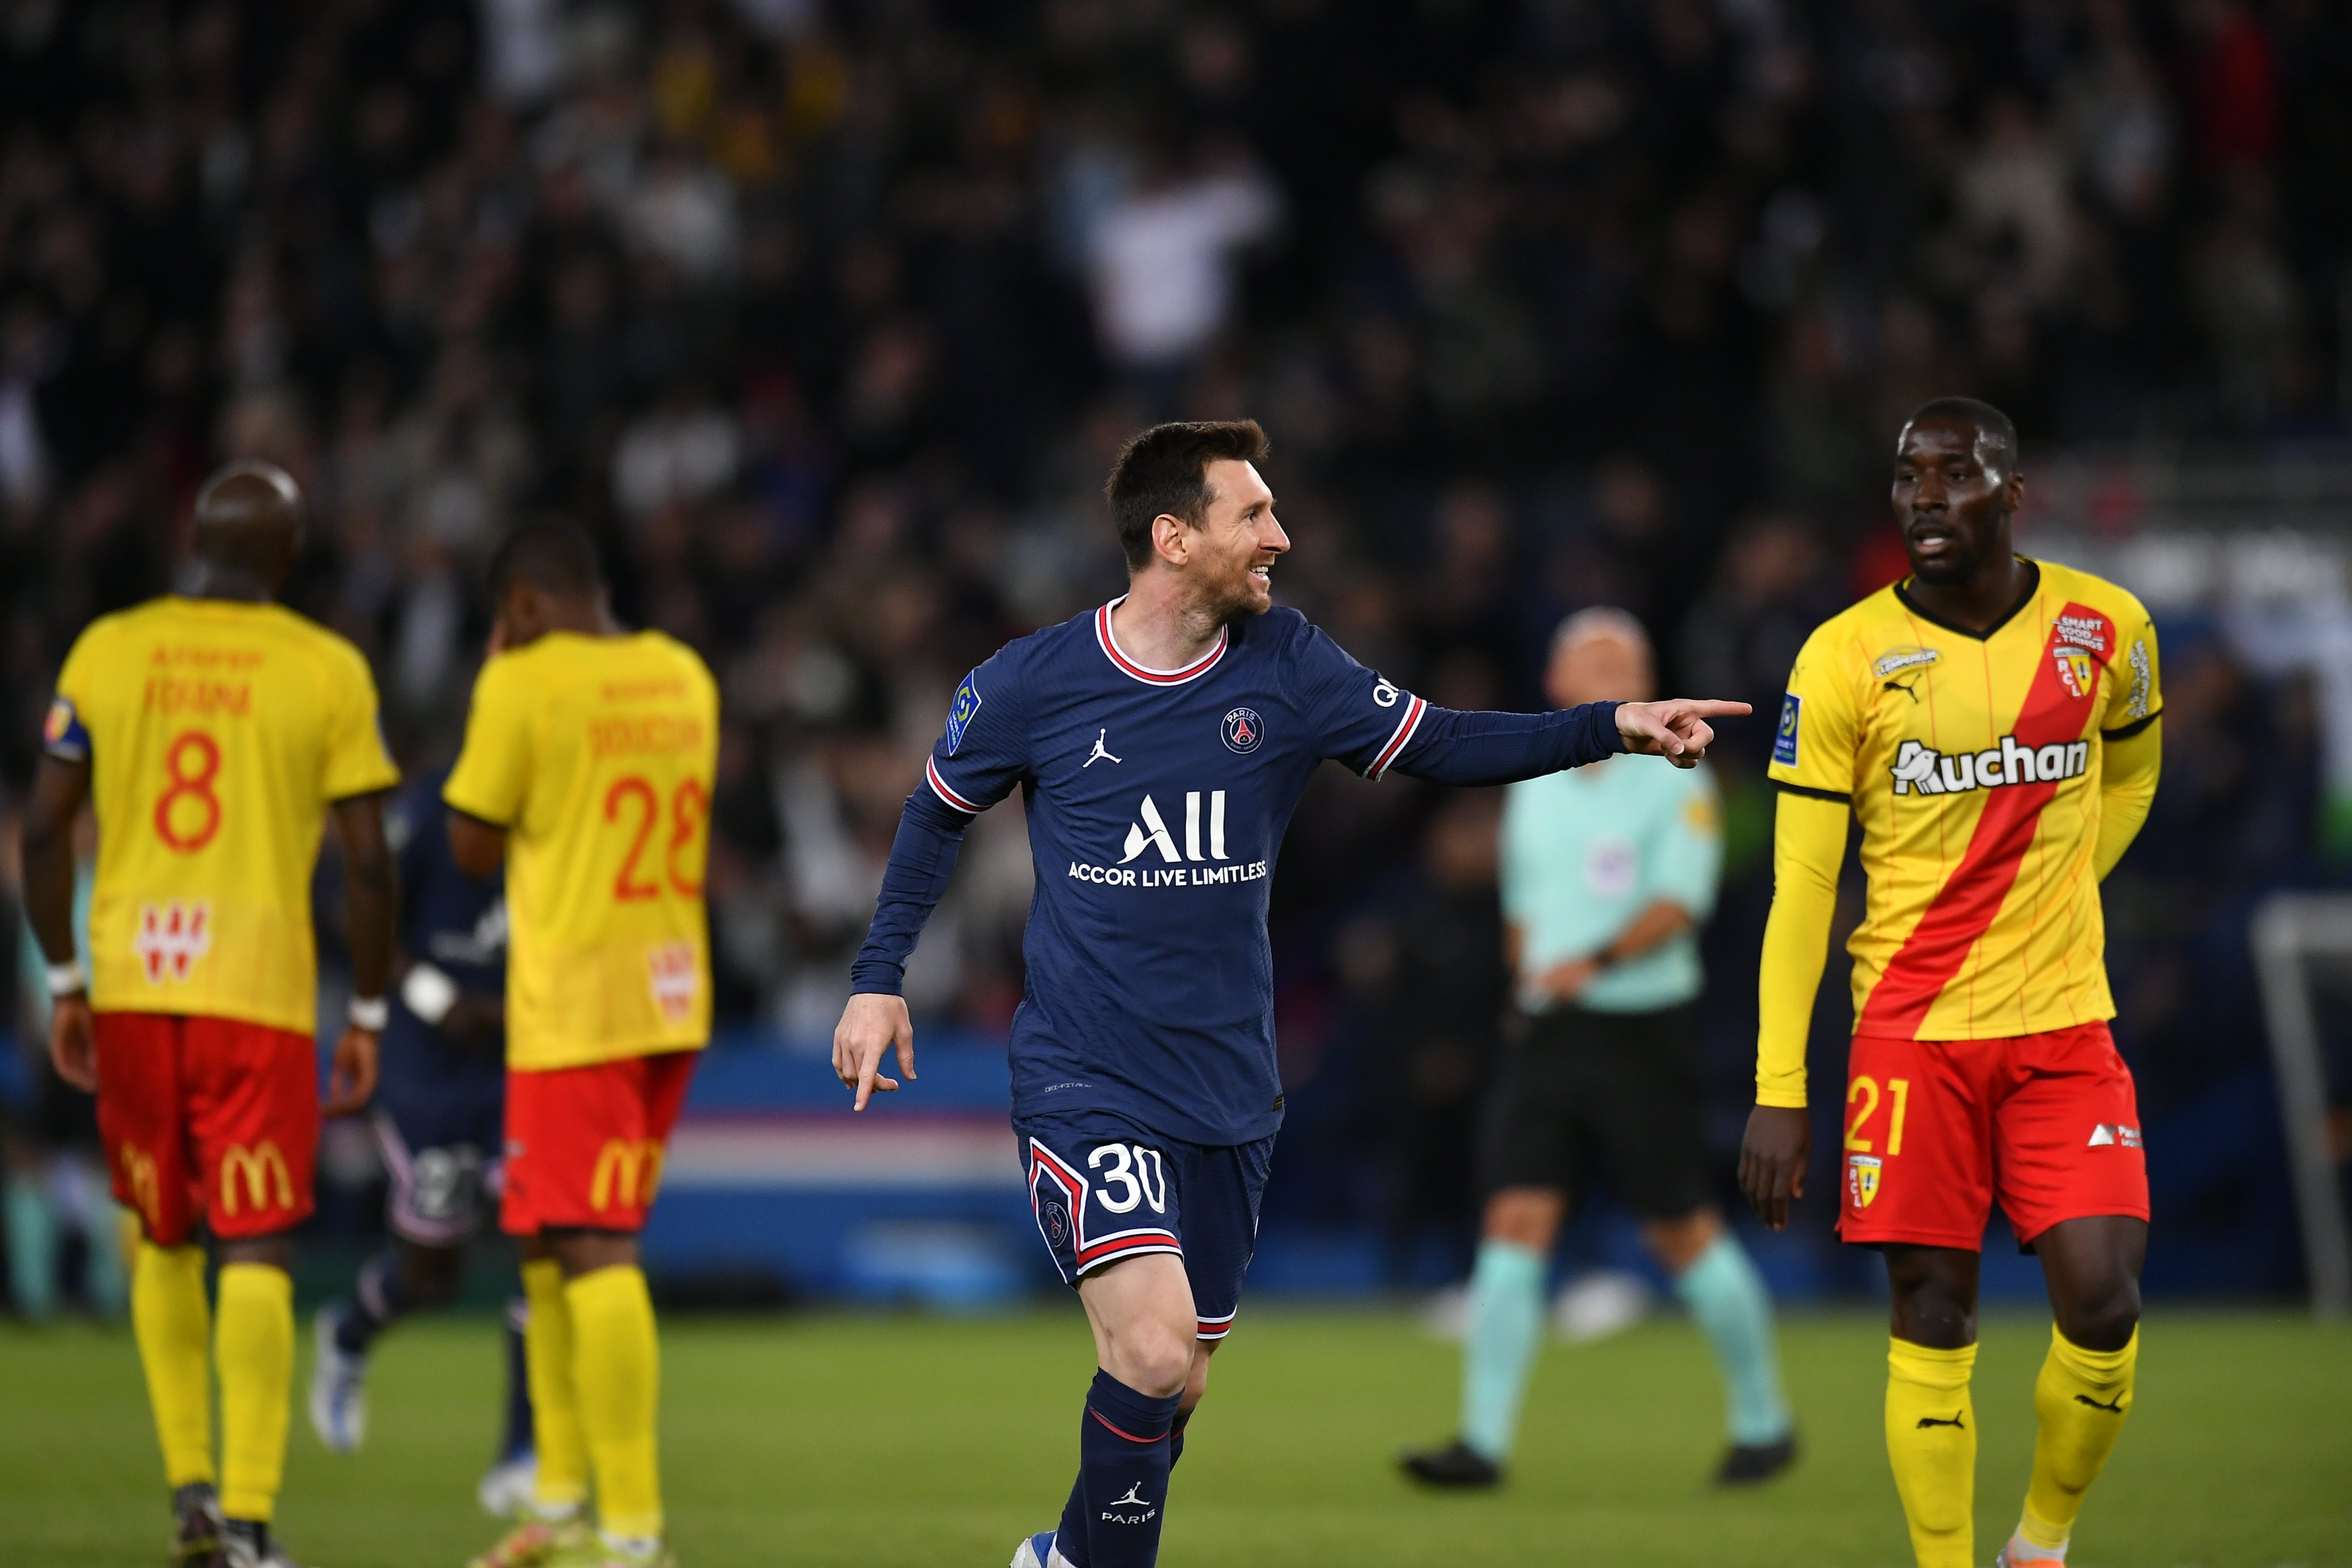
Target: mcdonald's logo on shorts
[[629, 1170], [265, 1177], [138, 1175]]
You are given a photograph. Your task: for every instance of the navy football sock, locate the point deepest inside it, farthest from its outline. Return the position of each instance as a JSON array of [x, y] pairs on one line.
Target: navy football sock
[[1176, 1437], [1123, 1463], [382, 1303], [1070, 1535], [518, 1435]]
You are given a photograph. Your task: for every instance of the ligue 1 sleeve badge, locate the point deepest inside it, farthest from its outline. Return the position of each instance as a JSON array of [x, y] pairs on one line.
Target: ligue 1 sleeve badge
[[1244, 730]]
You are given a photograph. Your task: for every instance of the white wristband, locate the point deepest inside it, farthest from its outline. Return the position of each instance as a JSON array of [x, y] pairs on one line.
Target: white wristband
[[67, 979], [429, 992], [371, 1013]]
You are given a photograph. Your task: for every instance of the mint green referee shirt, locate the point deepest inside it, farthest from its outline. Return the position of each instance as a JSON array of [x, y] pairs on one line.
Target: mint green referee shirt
[[1586, 850]]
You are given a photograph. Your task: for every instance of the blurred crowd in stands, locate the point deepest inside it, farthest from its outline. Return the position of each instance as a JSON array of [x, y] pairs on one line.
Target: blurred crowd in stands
[[828, 318]]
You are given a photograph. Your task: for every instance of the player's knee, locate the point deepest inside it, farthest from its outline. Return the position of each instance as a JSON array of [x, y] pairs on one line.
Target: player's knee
[[1154, 1359], [1934, 1301], [1524, 1215], [430, 1275], [2104, 1317], [1196, 1379]]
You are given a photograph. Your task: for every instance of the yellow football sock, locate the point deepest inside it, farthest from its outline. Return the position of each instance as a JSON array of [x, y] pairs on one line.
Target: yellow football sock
[[616, 1366], [563, 1484], [1931, 1440], [2081, 1400], [253, 1353], [174, 1328]]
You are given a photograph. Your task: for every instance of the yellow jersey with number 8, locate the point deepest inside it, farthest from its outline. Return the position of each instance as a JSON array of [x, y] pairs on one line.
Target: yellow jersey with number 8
[[597, 756], [217, 732]]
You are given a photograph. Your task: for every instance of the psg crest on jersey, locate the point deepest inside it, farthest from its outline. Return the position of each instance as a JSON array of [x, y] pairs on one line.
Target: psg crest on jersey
[[959, 713], [1057, 1224], [1244, 730]]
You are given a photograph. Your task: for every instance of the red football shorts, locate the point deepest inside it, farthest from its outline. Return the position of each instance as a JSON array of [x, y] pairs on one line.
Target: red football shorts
[[1937, 1130], [584, 1144], [207, 1118]]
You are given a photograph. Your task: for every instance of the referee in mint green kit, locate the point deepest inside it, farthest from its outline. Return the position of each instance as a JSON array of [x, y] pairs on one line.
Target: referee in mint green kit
[[1606, 871]]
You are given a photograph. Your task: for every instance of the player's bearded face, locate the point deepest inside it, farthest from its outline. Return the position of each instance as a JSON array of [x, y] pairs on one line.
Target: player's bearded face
[[1952, 507], [1234, 549]]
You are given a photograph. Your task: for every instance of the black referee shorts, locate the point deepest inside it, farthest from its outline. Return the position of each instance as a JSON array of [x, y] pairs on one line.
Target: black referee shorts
[[1617, 1093]]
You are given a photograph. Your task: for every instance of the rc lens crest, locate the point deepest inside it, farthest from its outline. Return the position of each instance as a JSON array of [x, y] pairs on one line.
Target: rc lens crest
[[2075, 667], [1862, 1178]]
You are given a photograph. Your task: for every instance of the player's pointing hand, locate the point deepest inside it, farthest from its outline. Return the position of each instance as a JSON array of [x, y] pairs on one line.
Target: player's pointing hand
[[870, 1025], [1675, 729]]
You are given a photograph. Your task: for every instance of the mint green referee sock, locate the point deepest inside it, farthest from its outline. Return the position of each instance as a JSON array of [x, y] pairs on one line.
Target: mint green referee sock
[[1726, 1295], [1498, 1349]]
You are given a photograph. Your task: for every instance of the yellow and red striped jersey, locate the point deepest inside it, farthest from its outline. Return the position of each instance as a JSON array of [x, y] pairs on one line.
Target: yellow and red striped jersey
[[1973, 763]]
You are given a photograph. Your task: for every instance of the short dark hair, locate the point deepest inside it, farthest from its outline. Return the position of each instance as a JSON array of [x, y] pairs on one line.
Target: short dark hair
[[1165, 470], [1993, 427], [554, 554]]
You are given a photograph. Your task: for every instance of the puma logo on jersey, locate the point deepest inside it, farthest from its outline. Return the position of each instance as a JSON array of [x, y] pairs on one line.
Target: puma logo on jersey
[[1932, 772], [172, 938], [1927, 1421]]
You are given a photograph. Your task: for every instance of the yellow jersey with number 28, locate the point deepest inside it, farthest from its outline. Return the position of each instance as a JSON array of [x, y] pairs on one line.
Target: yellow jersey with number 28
[[597, 756], [217, 732]]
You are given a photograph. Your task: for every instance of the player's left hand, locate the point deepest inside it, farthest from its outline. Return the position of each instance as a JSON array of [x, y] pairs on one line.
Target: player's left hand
[[1772, 1160], [73, 1050], [1677, 729], [350, 1082], [872, 1024]]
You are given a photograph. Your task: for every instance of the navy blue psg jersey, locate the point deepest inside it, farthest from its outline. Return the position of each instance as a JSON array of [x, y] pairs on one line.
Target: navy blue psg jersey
[[1156, 801], [454, 922]]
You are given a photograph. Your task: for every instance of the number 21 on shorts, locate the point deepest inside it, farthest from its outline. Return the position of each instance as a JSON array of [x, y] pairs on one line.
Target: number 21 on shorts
[[1858, 1138]]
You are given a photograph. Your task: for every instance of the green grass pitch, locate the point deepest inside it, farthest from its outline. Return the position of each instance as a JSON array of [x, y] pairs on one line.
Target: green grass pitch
[[901, 1441]]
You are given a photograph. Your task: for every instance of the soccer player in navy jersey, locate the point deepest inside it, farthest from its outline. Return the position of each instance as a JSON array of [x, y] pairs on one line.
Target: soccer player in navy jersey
[[439, 1109], [1160, 744]]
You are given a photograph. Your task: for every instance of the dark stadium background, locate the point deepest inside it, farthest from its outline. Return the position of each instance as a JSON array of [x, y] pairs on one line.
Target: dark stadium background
[[820, 315]]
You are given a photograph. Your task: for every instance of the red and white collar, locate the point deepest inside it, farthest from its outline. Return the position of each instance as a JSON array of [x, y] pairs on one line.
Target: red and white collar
[[1145, 673]]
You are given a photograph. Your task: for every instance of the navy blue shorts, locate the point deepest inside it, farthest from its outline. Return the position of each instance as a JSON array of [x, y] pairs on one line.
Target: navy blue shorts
[[1104, 1188], [441, 1148]]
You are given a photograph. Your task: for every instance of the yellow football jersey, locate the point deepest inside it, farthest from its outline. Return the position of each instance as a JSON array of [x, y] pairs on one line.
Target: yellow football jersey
[[597, 755], [217, 733], [1973, 764]]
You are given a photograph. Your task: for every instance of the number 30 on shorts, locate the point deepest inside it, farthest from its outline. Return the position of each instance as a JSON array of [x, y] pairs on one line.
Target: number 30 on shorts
[[1135, 1177], [1865, 1088]]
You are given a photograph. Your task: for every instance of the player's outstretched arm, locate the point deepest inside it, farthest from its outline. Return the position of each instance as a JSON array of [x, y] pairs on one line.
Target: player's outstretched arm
[[1471, 747], [59, 788], [871, 1025], [1677, 729]]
